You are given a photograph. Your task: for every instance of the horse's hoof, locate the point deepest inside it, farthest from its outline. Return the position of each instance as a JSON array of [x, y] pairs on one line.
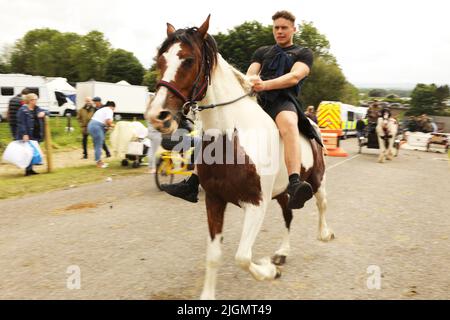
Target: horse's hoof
[[279, 260], [328, 236], [278, 274]]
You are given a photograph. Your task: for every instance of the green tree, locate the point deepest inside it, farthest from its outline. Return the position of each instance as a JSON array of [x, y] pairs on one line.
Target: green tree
[[327, 83], [309, 37], [239, 44], [91, 56], [442, 93], [151, 77], [51, 53], [123, 65], [377, 93], [25, 55], [423, 100]]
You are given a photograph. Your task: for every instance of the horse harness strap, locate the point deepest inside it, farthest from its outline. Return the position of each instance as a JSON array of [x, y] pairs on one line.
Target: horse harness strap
[[214, 105]]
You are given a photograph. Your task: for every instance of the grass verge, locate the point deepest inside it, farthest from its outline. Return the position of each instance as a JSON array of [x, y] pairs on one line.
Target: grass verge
[[17, 185]]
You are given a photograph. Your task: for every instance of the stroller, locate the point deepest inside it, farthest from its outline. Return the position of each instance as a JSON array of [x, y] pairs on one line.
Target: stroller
[[129, 140], [137, 150]]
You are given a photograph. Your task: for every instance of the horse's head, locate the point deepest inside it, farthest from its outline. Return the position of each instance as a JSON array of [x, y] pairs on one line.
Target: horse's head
[[385, 113], [185, 61]]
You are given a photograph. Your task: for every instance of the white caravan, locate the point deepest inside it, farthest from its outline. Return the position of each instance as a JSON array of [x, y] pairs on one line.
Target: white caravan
[[54, 101], [130, 100]]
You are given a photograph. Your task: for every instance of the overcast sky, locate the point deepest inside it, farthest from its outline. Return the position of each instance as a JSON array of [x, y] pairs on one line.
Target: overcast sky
[[375, 42]]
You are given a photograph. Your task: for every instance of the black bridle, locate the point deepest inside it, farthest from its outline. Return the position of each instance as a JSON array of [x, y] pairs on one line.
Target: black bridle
[[199, 89]]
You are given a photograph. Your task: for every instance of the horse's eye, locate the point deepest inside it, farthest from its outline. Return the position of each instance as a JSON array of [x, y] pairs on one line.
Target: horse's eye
[[188, 62]]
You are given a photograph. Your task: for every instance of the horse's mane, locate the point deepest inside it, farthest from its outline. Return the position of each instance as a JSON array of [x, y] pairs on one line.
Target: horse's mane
[[190, 36], [242, 79]]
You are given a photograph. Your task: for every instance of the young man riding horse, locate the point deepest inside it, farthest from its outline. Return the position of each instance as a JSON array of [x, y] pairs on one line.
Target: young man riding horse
[[277, 73]]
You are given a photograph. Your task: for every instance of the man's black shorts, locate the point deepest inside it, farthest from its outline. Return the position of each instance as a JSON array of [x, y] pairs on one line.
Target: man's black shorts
[[274, 108]]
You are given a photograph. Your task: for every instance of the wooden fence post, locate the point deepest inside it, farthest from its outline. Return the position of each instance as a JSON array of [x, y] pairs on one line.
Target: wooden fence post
[[48, 144]]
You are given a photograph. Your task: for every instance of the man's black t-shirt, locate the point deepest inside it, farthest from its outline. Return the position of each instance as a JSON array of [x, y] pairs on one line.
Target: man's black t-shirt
[[266, 54]]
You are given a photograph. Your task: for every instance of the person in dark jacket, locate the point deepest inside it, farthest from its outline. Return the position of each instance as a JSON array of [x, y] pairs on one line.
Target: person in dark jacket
[[360, 126], [30, 124], [13, 107], [84, 116]]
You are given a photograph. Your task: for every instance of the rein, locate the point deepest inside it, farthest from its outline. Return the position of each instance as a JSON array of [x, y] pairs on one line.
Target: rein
[[194, 107]]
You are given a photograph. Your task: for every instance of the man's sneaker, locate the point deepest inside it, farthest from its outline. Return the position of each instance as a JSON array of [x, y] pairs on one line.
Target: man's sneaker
[[184, 190], [30, 173], [299, 192]]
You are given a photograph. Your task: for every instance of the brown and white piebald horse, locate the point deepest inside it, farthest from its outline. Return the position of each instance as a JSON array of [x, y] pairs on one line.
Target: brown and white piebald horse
[[251, 172], [386, 129]]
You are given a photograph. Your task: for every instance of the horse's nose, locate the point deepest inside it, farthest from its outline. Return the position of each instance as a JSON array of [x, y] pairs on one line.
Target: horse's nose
[[163, 115]]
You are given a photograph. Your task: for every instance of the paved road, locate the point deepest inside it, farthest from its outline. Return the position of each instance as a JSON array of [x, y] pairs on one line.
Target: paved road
[[132, 242]]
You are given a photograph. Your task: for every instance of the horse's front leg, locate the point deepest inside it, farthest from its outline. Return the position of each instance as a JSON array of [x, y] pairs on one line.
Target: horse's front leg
[[264, 269], [382, 146], [215, 210], [390, 151]]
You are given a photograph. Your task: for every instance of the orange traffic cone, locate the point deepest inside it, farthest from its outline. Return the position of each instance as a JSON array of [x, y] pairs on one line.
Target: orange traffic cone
[[331, 142]]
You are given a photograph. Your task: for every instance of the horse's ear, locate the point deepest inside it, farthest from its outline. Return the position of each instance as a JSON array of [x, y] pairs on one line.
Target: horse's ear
[[203, 30], [170, 29]]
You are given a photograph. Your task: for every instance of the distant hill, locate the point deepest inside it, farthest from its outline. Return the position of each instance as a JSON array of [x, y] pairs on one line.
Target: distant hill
[[387, 86]]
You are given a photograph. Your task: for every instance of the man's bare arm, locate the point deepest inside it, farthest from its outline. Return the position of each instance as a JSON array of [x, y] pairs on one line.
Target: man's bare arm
[[254, 69], [299, 71]]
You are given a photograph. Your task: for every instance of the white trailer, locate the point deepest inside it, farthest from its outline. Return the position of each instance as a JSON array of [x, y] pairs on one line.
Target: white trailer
[[129, 99], [13, 84]]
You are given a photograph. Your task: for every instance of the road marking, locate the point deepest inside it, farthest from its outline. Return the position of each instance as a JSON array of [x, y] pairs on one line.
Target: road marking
[[339, 163]]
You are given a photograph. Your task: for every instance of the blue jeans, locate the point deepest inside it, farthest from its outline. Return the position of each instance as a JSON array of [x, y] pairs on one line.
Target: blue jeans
[[97, 131]]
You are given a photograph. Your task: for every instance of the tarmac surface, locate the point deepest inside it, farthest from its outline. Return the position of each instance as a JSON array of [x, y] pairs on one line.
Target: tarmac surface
[[127, 240]]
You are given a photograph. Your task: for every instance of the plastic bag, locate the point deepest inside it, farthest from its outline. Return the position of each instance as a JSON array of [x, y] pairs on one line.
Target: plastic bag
[[37, 156], [18, 153]]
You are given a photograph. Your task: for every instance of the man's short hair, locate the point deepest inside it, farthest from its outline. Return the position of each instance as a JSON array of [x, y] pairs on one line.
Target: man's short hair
[[284, 14], [25, 91]]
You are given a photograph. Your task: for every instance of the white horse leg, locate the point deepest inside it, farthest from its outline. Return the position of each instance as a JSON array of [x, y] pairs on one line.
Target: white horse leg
[[390, 150], [325, 233], [213, 261], [390, 153], [215, 210], [382, 156], [281, 254], [265, 269]]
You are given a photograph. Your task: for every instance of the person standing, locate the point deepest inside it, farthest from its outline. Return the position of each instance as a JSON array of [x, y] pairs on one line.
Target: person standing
[[13, 107], [30, 124], [98, 105], [84, 116], [310, 113], [100, 122], [360, 127], [155, 141]]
